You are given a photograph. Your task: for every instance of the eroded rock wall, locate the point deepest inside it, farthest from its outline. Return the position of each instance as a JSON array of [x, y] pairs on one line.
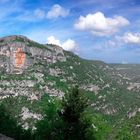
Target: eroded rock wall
[[17, 53]]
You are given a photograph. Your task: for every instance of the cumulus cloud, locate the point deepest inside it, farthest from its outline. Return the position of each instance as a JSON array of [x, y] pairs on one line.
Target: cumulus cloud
[[99, 25], [68, 45], [53, 40], [132, 38], [57, 11]]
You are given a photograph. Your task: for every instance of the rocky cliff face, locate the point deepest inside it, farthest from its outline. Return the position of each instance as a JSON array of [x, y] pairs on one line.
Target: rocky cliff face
[[17, 53], [23, 63]]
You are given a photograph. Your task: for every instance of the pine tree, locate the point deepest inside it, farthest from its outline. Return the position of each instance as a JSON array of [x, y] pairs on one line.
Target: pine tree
[[73, 107]]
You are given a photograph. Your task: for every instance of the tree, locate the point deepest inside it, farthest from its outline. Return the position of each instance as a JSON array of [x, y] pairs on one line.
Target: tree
[[49, 128], [74, 105], [125, 134], [9, 126]]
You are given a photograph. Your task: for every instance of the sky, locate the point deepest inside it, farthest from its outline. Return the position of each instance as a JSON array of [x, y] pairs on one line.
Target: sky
[[106, 30]]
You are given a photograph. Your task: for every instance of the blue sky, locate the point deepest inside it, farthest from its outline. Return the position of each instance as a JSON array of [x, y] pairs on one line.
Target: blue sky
[[107, 30]]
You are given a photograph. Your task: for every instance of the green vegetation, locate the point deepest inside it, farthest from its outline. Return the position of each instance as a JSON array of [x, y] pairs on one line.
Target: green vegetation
[[58, 83], [19, 39], [49, 128], [105, 86], [130, 130], [77, 125], [67, 119], [37, 45], [5, 76], [71, 119], [10, 127]]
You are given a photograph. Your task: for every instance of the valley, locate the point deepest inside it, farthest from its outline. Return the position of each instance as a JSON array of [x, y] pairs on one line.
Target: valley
[[30, 71]]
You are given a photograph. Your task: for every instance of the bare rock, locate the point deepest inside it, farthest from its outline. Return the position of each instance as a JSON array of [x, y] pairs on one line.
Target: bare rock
[[3, 137], [17, 53]]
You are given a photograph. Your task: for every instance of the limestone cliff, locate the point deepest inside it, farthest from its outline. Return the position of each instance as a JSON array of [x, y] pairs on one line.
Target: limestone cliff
[[17, 53]]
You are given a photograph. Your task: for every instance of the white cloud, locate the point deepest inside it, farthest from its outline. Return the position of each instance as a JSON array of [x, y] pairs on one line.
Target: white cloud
[[40, 13], [57, 11], [53, 40], [132, 38], [99, 25], [68, 45]]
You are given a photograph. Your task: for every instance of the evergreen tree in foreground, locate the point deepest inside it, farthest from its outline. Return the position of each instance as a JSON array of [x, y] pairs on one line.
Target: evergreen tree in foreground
[[72, 114]]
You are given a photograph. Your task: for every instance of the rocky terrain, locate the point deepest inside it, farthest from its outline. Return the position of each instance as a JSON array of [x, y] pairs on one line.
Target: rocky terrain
[[130, 75], [2, 137], [29, 70]]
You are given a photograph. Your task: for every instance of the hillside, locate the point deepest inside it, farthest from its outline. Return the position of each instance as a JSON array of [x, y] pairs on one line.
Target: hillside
[[130, 75], [29, 70]]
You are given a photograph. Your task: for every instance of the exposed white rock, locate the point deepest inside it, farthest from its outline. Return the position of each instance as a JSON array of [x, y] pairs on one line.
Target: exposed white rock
[[20, 54], [54, 92], [132, 114], [100, 97], [39, 76], [25, 126], [92, 88], [110, 111], [26, 114], [32, 97], [71, 67], [55, 72], [133, 86]]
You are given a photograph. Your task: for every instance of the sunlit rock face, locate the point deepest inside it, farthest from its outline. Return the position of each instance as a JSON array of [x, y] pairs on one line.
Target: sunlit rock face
[[17, 53], [13, 57], [18, 59]]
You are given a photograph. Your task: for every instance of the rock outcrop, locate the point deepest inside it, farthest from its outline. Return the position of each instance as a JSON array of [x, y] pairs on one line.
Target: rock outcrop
[[3, 137], [17, 53]]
